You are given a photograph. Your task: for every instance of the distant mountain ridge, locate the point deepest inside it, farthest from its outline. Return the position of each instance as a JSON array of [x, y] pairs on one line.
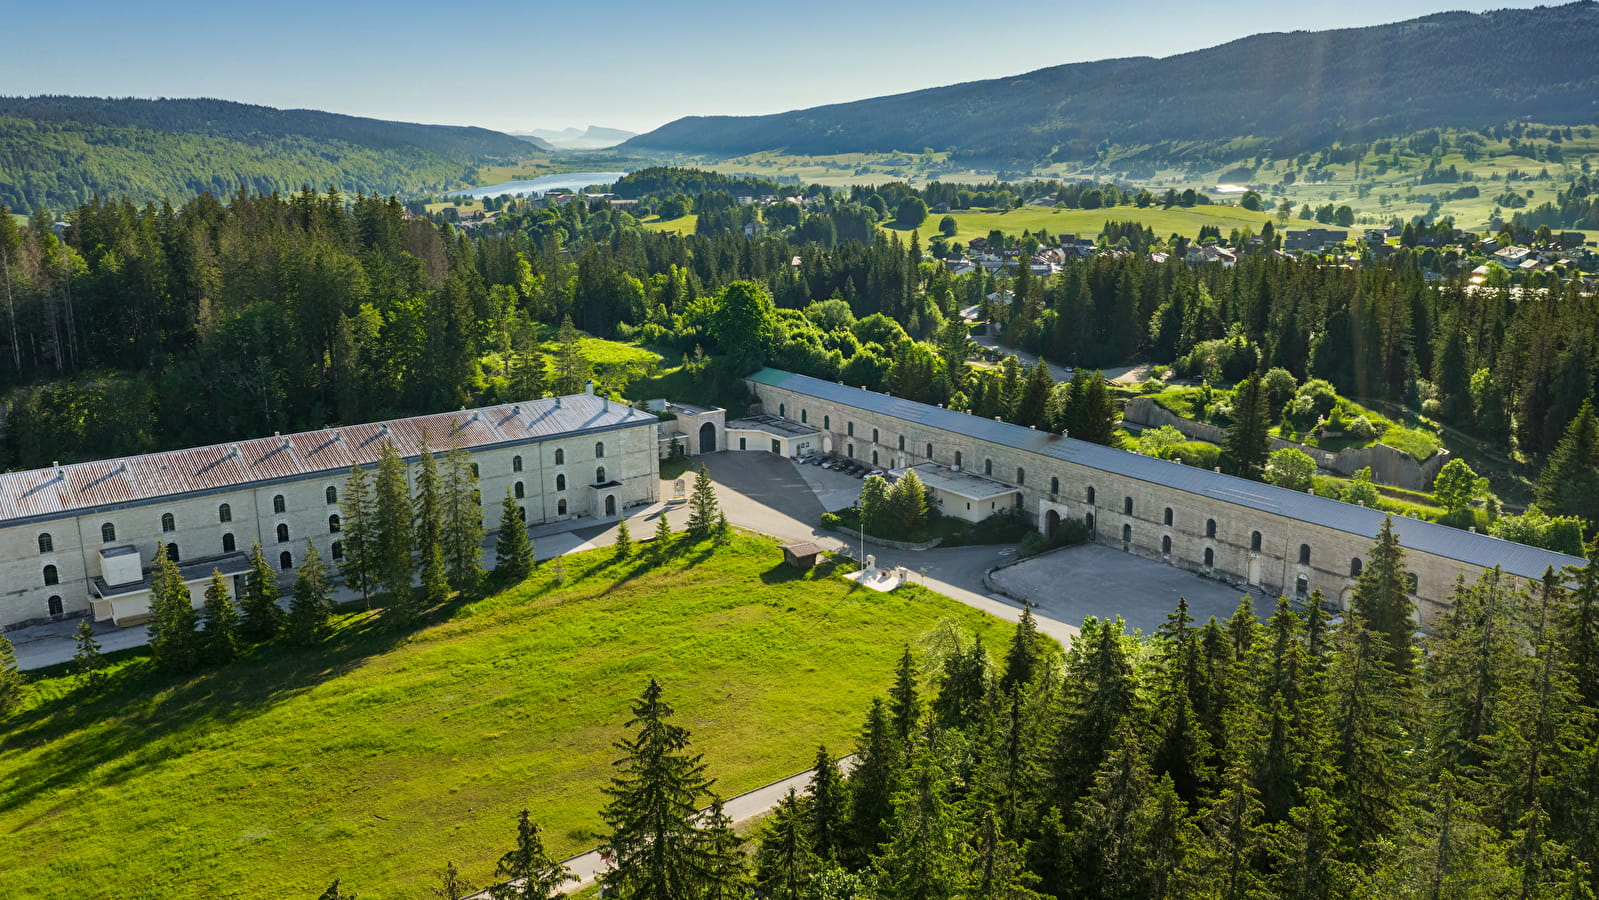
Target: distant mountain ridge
[[1447, 69], [594, 137], [59, 151]]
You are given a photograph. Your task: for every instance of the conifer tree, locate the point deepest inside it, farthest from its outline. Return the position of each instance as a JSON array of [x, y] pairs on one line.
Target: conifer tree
[[661, 542], [1096, 697], [429, 528], [1475, 659], [513, 551], [451, 885], [1578, 627], [221, 639], [529, 871], [997, 869], [827, 803], [785, 861], [1569, 485], [657, 852], [873, 505], [1382, 599], [1308, 863], [86, 659], [11, 678], [1021, 662], [312, 602], [1033, 408], [174, 642], [1366, 717], [905, 704], [572, 368], [262, 617], [921, 858], [872, 784], [624, 540], [906, 508], [702, 505], [358, 530], [394, 569], [1248, 440], [723, 872], [722, 530], [1233, 838], [964, 686], [1132, 839], [462, 536]]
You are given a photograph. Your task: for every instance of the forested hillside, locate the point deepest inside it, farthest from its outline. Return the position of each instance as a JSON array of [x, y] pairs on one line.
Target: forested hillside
[[61, 151], [1298, 91]]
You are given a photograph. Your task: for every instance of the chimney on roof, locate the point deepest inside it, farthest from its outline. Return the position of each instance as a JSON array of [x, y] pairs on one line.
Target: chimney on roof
[[1178, 460], [557, 402], [588, 387], [1215, 468]]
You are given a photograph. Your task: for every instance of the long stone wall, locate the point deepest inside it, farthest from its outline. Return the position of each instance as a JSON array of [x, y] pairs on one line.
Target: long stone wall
[[1388, 464]]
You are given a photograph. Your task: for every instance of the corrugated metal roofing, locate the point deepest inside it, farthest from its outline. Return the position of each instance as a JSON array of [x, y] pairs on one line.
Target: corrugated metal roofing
[[1414, 534], [68, 489]]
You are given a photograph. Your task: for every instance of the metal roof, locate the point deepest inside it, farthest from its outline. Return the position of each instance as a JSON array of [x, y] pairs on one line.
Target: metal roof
[[1414, 534], [65, 490]]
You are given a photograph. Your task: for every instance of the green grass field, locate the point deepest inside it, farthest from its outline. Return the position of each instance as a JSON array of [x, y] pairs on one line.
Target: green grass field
[[1089, 222], [376, 758], [681, 225]]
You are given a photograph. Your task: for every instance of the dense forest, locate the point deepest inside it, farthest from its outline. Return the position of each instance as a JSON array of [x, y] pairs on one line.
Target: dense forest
[[1297, 91], [62, 151]]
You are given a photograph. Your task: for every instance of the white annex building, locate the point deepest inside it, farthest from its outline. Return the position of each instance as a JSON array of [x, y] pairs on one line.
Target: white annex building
[[80, 538], [1267, 538]]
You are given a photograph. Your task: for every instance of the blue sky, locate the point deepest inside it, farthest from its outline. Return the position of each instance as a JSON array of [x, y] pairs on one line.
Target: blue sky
[[630, 64]]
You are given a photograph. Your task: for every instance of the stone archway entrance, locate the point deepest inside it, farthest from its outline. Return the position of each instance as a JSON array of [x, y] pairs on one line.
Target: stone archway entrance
[[707, 438], [610, 504], [1051, 522]]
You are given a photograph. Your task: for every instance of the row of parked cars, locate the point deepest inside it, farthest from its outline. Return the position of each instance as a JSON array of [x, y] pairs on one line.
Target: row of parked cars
[[841, 464]]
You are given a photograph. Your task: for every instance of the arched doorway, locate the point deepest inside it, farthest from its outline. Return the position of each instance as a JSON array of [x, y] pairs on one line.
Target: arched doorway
[[708, 438], [610, 504], [1051, 522]]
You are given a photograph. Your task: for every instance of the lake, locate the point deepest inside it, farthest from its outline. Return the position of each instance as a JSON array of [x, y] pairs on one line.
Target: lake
[[566, 181]]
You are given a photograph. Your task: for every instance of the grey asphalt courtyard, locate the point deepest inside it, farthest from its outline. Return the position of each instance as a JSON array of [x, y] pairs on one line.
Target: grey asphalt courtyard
[[1095, 580]]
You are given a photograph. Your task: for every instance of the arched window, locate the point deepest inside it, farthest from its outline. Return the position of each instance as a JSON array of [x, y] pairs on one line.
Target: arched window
[[54, 605], [331, 494], [51, 576], [782, 410], [108, 533], [285, 560], [805, 416], [1210, 557], [169, 524], [1304, 554], [1210, 528], [1088, 521], [929, 449], [521, 513], [988, 467], [228, 544], [1165, 545], [1054, 484], [1355, 565], [283, 533], [874, 435], [599, 475], [560, 456], [1168, 516], [902, 443], [827, 423], [475, 473], [516, 464], [278, 504], [851, 429], [1021, 475], [224, 513], [1254, 541], [1127, 534], [560, 508], [957, 459], [874, 457], [47, 544], [338, 549], [333, 524], [1127, 506], [560, 482], [518, 491], [1090, 496], [599, 449], [1412, 582], [1301, 587], [172, 552]]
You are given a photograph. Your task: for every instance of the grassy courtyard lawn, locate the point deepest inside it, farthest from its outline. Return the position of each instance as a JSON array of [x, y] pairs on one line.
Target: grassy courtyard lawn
[[375, 757]]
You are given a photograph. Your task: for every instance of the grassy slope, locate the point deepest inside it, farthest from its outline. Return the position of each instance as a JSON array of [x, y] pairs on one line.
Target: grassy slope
[[1089, 222], [376, 761]]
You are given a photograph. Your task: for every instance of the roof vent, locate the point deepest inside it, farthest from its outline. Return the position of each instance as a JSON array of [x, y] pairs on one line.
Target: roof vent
[[997, 419], [516, 410], [1178, 460], [1361, 502], [1215, 468], [557, 402], [1032, 428], [588, 387]]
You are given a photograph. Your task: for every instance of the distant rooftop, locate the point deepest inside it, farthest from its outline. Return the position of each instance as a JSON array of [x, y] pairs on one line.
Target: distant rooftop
[[772, 425]]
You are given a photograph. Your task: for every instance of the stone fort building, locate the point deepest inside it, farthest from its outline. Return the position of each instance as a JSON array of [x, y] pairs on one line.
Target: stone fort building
[[1270, 539], [80, 538]]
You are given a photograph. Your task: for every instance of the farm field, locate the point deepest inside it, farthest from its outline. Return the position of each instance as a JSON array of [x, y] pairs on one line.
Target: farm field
[[376, 757], [1089, 222]]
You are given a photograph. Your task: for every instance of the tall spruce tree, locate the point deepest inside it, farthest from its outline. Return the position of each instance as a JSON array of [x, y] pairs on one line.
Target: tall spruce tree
[[1133, 839], [358, 530], [1367, 717], [1382, 599], [921, 859], [1578, 626], [513, 551], [827, 802], [394, 570], [1033, 409], [262, 616], [529, 871], [174, 640], [702, 506], [872, 785], [656, 850], [572, 368], [1097, 695], [905, 702], [463, 523], [1248, 440], [86, 659], [221, 636], [784, 860], [311, 605], [1022, 660], [428, 531], [1569, 485], [725, 873], [964, 686], [661, 543], [624, 540]]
